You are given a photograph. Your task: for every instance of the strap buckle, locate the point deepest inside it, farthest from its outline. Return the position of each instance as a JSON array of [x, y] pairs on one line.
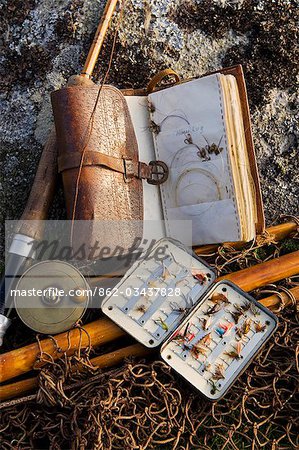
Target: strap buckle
[[159, 172], [128, 170], [155, 172]]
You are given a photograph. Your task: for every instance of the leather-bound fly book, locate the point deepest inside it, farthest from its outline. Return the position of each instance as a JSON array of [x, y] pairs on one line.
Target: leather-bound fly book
[[200, 130]]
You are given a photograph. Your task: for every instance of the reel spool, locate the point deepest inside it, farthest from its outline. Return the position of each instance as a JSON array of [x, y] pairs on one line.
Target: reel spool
[[51, 296]]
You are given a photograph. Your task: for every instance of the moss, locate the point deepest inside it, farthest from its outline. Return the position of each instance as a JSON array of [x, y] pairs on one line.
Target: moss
[[289, 245], [261, 253]]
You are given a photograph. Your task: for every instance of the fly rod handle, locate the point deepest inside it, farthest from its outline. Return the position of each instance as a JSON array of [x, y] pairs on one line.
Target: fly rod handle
[[42, 192]]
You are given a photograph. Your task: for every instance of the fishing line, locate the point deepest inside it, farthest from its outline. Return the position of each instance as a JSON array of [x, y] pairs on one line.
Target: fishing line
[[179, 190]]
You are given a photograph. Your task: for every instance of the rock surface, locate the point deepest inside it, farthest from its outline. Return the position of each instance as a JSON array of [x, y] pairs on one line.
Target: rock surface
[[45, 41]]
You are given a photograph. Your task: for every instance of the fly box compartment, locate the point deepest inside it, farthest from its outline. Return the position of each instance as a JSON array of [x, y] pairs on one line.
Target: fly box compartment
[[209, 331], [218, 339], [156, 293]]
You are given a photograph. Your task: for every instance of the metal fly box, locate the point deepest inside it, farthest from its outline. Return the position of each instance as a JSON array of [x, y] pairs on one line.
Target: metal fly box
[[209, 331]]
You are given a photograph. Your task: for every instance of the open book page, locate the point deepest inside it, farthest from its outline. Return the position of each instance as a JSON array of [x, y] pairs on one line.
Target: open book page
[[153, 213], [191, 139]]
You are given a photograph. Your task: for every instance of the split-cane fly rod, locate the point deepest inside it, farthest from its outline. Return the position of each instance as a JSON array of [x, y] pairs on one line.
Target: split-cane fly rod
[[30, 227], [99, 37]]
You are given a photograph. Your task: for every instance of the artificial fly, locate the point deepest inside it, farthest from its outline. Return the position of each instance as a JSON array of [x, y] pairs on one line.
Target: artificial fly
[[224, 329], [239, 308], [206, 366], [151, 107], [154, 127], [206, 339], [254, 309], [213, 148], [141, 308], [152, 284], [246, 306], [236, 315], [213, 309], [166, 273], [244, 328], [197, 350], [219, 372], [178, 337], [199, 276], [236, 353], [218, 298], [214, 388], [206, 322], [177, 308], [187, 335], [181, 309], [259, 327], [200, 348], [161, 323]]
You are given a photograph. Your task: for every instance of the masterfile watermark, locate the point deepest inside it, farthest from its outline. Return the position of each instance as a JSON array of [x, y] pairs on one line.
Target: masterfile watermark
[[95, 252]]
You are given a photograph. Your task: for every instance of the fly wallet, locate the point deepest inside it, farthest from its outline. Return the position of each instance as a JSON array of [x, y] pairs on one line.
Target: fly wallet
[[200, 128], [207, 331]]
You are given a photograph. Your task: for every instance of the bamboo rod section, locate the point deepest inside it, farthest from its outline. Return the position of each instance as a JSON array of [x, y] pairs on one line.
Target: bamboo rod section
[[274, 301], [96, 46], [22, 360], [277, 233], [265, 273], [102, 331], [102, 362]]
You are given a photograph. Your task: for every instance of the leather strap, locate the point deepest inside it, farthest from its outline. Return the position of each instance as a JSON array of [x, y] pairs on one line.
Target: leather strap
[[68, 161], [159, 77], [127, 167]]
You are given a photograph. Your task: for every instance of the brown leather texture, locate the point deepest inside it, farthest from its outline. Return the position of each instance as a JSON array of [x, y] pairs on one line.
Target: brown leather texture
[[104, 194], [237, 72]]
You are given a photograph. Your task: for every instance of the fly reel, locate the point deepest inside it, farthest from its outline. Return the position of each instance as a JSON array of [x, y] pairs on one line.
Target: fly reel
[[51, 296]]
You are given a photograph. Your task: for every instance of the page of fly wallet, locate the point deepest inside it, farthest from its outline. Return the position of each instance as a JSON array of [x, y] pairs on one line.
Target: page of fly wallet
[[209, 331], [201, 129]]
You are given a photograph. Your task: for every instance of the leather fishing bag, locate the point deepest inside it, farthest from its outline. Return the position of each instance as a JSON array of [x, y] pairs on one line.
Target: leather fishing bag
[[98, 159]]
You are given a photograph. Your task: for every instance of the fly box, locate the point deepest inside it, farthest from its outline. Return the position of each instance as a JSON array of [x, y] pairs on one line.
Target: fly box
[[209, 331]]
